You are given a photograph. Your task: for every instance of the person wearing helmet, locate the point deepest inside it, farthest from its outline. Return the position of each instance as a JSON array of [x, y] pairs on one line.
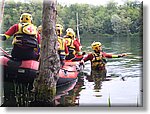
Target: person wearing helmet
[[25, 38], [72, 44], [98, 57], [39, 29], [59, 29], [39, 32], [62, 47]]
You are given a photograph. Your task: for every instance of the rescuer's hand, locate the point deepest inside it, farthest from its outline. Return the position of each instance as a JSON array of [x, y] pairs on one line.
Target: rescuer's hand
[[122, 55], [2, 37]]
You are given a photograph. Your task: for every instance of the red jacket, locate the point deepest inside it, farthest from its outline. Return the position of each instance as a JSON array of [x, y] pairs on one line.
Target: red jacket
[[98, 60], [77, 46], [77, 40], [104, 55]]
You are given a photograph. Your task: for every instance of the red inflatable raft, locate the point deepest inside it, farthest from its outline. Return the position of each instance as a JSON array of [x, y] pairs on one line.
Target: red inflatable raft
[[25, 71]]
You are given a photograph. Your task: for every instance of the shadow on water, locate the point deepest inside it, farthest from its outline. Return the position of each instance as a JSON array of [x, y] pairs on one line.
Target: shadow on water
[[96, 89], [20, 95]]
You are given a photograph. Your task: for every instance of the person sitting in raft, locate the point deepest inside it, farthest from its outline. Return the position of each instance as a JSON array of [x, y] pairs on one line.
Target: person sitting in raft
[[25, 38], [79, 55], [62, 47], [72, 44], [98, 58]]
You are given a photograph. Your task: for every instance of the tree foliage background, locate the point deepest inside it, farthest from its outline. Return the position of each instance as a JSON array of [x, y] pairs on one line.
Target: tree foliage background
[[110, 19]]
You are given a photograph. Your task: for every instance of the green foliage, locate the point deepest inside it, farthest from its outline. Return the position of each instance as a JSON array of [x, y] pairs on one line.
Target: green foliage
[[111, 19]]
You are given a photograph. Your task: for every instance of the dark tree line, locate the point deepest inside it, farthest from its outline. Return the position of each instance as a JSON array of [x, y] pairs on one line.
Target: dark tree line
[[110, 19]]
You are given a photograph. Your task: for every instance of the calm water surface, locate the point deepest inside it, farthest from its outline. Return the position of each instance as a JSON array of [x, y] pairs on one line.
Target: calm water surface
[[123, 85]]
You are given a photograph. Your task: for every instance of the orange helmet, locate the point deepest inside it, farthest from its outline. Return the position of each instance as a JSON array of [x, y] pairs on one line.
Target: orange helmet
[[26, 18]]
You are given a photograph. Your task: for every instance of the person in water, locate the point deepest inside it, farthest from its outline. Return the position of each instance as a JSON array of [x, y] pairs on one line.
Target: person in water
[[26, 38], [98, 59]]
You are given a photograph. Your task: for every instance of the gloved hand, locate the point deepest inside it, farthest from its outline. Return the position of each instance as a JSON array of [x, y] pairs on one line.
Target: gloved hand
[[122, 55], [2, 37], [83, 53]]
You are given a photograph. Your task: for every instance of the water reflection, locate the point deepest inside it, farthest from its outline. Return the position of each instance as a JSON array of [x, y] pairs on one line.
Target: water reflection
[[97, 78], [123, 84], [63, 97], [19, 95], [123, 81], [73, 96]]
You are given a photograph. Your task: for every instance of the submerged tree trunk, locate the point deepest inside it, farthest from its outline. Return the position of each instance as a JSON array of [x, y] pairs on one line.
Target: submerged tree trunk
[[45, 83]]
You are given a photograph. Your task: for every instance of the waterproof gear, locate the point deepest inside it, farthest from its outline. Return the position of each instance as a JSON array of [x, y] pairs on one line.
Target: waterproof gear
[[98, 60], [25, 37], [62, 48]]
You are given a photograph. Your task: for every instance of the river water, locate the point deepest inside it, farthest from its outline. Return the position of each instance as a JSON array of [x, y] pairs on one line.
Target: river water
[[124, 79], [123, 84]]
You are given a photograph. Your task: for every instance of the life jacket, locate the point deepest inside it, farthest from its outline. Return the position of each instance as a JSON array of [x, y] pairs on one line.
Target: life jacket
[[27, 33], [71, 47], [98, 62], [61, 46]]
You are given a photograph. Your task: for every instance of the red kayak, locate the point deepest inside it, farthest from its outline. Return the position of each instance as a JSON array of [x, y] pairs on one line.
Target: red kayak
[[25, 71]]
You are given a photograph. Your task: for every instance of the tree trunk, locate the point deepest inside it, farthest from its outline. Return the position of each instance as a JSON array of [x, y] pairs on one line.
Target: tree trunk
[[45, 83], [2, 10]]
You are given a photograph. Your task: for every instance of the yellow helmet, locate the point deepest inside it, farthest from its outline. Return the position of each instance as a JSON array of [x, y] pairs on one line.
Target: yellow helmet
[[26, 18], [59, 29], [95, 46], [70, 32]]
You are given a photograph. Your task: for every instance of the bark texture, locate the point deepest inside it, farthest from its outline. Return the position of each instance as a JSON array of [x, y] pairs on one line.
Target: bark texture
[[45, 83]]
